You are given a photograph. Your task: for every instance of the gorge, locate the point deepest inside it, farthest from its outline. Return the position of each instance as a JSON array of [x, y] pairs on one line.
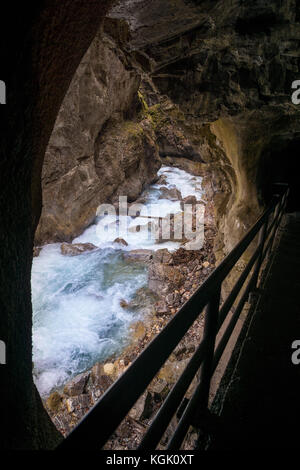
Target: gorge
[[101, 98]]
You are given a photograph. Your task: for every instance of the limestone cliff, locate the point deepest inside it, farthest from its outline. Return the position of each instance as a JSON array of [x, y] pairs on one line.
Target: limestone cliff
[[215, 81], [98, 147], [229, 66]]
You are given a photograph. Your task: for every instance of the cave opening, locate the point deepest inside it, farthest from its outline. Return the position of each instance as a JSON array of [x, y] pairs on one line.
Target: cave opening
[[38, 76], [100, 297]]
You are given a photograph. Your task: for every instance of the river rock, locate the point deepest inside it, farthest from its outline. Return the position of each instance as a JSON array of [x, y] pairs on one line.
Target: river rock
[[37, 250], [143, 301], [121, 241], [162, 256], [173, 194], [69, 249], [80, 404], [77, 385], [161, 274], [188, 200], [138, 255], [123, 303], [109, 368]]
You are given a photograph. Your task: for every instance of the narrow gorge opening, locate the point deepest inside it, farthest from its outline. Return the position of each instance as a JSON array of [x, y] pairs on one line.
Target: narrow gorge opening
[[100, 292], [180, 92]]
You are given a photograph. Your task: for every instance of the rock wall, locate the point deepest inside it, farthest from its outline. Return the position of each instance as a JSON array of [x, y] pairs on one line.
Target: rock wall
[[98, 148], [229, 67]]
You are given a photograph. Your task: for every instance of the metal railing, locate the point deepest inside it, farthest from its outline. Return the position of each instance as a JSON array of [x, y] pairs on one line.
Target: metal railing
[[102, 420]]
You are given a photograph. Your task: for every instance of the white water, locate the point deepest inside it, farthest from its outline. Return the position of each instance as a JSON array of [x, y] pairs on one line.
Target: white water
[[77, 318]]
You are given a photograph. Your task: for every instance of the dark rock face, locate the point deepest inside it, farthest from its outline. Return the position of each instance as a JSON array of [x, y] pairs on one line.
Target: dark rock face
[[37, 64], [229, 67]]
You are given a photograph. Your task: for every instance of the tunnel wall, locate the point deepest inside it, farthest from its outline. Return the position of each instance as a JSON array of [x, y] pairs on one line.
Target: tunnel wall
[[42, 44]]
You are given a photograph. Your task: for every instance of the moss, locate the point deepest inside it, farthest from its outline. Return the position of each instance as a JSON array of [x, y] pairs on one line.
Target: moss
[[157, 116], [143, 102], [133, 129], [54, 402]]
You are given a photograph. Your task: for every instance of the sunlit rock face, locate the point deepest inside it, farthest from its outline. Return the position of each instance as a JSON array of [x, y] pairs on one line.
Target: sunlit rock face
[[92, 151], [229, 66]]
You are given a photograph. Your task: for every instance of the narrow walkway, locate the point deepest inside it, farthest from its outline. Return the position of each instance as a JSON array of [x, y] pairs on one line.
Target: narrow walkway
[[261, 408]]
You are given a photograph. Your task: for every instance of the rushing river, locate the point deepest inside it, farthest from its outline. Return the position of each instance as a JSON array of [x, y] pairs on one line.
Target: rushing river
[[77, 317]]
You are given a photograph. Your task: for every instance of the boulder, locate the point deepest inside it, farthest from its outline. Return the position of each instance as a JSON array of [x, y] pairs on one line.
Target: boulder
[[121, 241], [109, 368], [173, 194], [77, 385], [37, 250], [161, 275], [162, 256], [143, 301], [138, 255], [188, 200], [69, 249]]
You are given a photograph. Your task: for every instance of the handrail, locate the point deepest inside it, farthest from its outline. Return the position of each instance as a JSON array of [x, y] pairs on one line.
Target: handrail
[[100, 422]]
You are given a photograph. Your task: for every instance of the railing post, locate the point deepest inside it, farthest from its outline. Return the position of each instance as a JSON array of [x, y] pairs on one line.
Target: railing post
[[209, 335], [261, 244], [276, 214]]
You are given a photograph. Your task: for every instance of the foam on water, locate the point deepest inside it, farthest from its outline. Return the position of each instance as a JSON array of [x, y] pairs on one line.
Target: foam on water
[[77, 315], [104, 231], [77, 318]]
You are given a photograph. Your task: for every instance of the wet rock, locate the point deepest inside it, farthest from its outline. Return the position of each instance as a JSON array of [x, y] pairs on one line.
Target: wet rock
[[138, 255], [162, 180], [173, 194], [37, 250], [160, 274], [77, 385], [169, 228], [123, 303], [162, 256], [188, 200], [69, 249], [143, 301], [121, 241]]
